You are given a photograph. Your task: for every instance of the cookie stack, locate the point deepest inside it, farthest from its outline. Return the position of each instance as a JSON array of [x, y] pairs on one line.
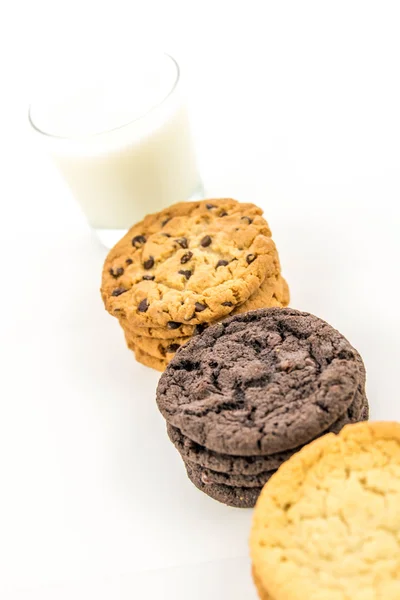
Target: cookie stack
[[327, 524], [189, 266], [249, 392]]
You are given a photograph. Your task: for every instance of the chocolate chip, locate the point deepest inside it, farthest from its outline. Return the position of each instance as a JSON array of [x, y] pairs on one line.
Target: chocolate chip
[[116, 272], [186, 257], [166, 234], [129, 261], [138, 241], [173, 347], [250, 258], [227, 304], [221, 263], [206, 241], [200, 328], [210, 206], [118, 291], [173, 325], [161, 349], [187, 274], [182, 242], [165, 221], [143, 305], [199, 307], [223, 213], [148, 277], [247, 219], [149, 263]]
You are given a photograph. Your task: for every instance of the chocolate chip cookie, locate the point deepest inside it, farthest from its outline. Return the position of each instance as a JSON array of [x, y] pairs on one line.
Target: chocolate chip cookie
[[159, 348], [273, 291], [191, 263], [259, 383], [165, 348], [146, 359]]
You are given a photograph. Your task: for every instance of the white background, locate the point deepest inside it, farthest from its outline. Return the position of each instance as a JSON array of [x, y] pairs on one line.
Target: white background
[[295, 106]]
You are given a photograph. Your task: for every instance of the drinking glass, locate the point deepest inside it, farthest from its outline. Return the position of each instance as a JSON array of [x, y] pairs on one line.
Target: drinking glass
[[122, 141]]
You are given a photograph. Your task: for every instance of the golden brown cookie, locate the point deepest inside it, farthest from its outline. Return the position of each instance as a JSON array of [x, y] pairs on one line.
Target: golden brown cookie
[[159, 348], [163, 333], [147, 359], [326, 525], [273, 291], [191, 263]]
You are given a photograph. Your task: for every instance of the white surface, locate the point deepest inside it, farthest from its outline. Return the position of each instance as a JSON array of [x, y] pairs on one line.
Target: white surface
[[295, 106]]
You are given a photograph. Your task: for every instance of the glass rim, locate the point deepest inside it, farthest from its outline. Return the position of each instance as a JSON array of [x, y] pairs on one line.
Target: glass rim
[[105, 131]]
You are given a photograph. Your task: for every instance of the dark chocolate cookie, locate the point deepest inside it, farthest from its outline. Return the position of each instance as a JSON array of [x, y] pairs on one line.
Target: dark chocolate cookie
[[261, 382], [240, 497], [254, 465], [208, 476]]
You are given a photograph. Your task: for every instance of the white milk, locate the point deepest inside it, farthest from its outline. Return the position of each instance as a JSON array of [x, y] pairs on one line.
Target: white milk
[[123, 143]]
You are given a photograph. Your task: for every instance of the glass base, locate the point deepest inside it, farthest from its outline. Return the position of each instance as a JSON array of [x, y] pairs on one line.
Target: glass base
[[109, 237]]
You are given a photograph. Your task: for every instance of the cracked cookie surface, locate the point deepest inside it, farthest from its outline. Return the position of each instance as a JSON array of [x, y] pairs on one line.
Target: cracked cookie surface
[[192, 263], [254, 465], [326, 525], [260, 382]]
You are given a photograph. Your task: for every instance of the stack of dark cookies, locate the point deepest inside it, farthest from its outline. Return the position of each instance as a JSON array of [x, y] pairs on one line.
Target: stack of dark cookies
[[249, 392]]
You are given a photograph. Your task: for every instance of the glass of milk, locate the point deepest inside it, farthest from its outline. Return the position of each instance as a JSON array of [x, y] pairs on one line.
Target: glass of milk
[[121, 140]]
